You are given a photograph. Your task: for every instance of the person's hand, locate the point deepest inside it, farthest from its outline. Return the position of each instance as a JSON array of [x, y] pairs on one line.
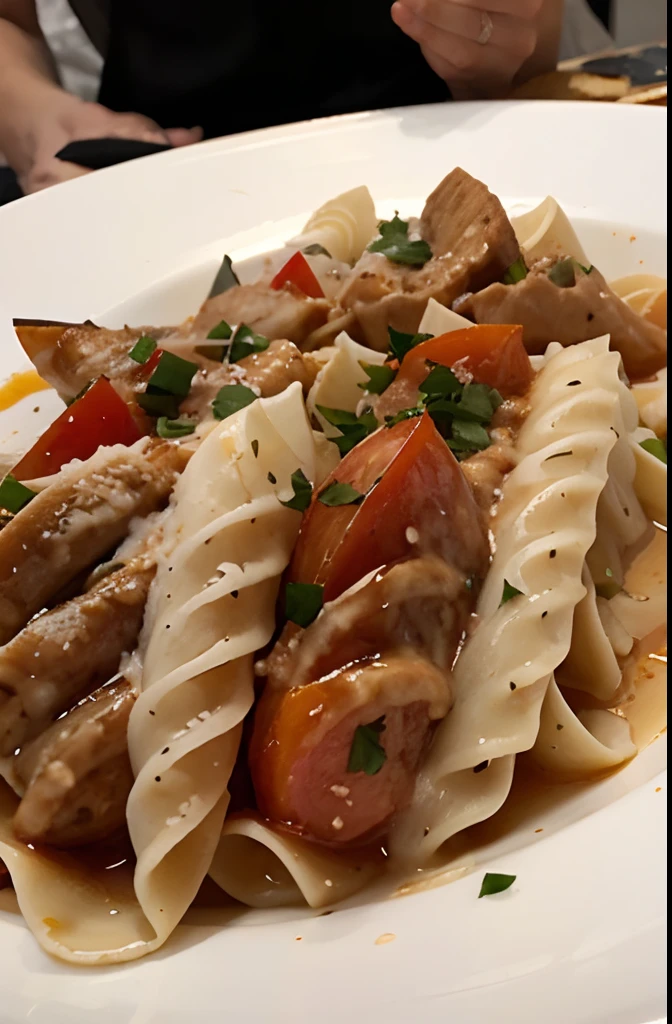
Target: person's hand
[[476, 46], [70, 120]]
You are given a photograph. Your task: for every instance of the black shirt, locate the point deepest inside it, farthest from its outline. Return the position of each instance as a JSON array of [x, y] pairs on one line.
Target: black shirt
[[235, 66]]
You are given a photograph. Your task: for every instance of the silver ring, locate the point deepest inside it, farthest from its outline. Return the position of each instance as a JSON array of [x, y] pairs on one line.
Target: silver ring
[[486, 28]]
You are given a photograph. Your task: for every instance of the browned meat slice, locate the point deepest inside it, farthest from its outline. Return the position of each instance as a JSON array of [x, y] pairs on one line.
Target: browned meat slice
[[66, 653], [76, 520], [585, 310], [464, 221], [270, 371], [378, 658], [80, 353], [77, 775], [472, 241], [275, 314]]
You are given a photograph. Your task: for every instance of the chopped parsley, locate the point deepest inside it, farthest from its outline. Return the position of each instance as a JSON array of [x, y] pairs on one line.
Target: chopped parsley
[[14, 495], [231, 398], [315, 249], [220, 332], [168, 386], [246, 343], [340, 494], [467, 436], [395, 245], [303, 602], [508, 592], [254, 445], [380, 378], [143, 349], [493, 883], [401, 343], [174, 428], [225, 278], [303, 491], [353, 428], [516, 272], [563, 274], [366, 753], [654, 446]]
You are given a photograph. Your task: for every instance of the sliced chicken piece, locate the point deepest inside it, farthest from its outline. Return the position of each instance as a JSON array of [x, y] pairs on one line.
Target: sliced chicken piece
[[585, 310], [76, 776], [76, 520], [377, 659], [80, 353], [275, 314], [472, 241], [66, 653], [270, 372]]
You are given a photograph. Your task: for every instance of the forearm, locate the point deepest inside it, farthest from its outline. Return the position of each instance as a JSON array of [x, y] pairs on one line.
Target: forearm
[[28, 87]]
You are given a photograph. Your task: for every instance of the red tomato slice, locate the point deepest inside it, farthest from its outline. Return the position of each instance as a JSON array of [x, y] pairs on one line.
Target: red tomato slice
[[99, 417], [297, 272], [493, 353], [421, 502]]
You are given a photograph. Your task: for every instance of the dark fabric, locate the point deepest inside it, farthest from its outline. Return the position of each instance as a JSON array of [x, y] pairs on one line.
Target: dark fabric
[[98, 153], [231, 67], [9, 186], [94, 17], [647, 67], [602, 8]]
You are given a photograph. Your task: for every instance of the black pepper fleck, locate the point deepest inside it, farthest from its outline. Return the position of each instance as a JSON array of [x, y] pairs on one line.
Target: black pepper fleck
[[36, 409], [512, 685], [255, 447], [481, 767], [591, 316], [152, 712], [552, 553], [573, 383], [165, 750], [252, 521], [559, 727], [157, 778], [234, 593], [272, 479], [544, 614]]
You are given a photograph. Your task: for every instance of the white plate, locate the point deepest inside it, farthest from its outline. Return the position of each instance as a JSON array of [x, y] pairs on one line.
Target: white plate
[[580, 938]]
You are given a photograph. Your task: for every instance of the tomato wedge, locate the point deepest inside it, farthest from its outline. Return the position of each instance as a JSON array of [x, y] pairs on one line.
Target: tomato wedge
[[493, 353], [99, 417], [297, 272], [416, 499]]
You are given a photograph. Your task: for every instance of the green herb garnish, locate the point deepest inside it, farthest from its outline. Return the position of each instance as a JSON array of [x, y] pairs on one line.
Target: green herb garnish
[[231, 398], [493, 883], [380, 378], [401, 343], [315, 249], [245, 343], [303, 491], [404, 414], [168, 385], [340, 494], [303, 602], [654, 446], [467, 436], [14, 495], [440, 381], [225, 279], [366, 753], [516, 272], [395, 245], [563, 274], [508, 592], [353, 428], [143, 349], [220, 332], [174, 428]]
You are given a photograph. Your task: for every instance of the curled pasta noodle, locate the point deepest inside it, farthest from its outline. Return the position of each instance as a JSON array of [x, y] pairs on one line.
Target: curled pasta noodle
[[342, 226], [547, 231], [337, 383], [263, 867], [438, 319], [545, 526], [577, 745], [650, 478], [646, 294]]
